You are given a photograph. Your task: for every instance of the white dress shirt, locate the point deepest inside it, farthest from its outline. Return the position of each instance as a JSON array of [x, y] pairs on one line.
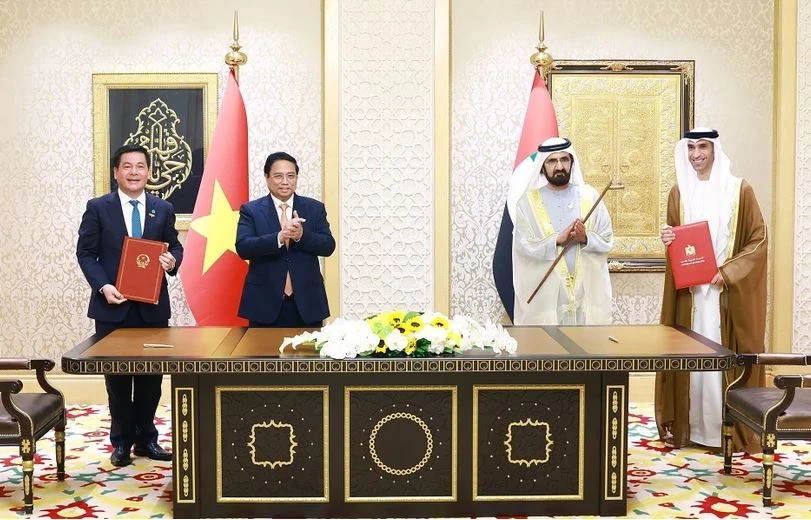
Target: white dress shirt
[[127, 208]]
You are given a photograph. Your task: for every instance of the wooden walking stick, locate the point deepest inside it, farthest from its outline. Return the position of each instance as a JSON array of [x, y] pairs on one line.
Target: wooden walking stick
[[612, 185]]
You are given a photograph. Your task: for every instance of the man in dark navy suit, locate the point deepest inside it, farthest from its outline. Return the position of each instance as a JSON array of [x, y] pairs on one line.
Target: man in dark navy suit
[[129, 210], [282, 235]]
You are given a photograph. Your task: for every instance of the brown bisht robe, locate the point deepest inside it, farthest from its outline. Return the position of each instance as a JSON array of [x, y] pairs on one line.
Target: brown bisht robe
[[743, 317]]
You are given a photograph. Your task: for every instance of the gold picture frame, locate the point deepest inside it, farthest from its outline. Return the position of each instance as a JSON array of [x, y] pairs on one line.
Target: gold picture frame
[[172, 115], [624, 119]]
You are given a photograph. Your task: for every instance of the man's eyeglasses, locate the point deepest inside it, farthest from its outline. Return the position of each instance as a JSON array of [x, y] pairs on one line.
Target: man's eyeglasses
[[278, 177]]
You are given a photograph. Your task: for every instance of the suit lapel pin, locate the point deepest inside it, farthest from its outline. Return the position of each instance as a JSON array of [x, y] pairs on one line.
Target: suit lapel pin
[[152, 212]]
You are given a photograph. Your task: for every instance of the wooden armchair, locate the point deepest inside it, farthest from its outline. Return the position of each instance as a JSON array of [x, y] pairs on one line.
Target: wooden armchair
[[781, 413], [26, 417]]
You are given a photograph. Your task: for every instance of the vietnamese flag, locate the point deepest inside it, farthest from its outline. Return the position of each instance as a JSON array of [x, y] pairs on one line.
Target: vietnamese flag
[[211, 271], [540, 123]]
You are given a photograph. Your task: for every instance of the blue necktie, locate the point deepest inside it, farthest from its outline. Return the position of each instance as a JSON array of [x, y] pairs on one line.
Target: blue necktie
[[136, 220]]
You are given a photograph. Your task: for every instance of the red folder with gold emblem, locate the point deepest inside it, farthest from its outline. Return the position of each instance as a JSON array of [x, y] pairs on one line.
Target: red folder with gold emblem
[[691, 254], [140, 274]]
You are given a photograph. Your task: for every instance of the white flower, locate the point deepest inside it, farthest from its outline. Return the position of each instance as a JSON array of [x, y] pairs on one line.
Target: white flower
[[470, 331], [432, 334], [305, 337], [396, 341], [499, 339], [437, 336], [338, 349]]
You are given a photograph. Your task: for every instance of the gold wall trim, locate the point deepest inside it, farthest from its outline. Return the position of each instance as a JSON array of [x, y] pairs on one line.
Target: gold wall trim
[[330, 136], [442, 156], [784, 144]]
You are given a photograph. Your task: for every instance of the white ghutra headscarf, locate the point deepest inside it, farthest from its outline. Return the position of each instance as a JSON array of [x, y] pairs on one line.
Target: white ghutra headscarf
[[529, 175]]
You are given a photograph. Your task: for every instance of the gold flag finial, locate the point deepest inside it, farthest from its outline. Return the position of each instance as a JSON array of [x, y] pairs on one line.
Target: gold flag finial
[[235, 57], [542, 60]]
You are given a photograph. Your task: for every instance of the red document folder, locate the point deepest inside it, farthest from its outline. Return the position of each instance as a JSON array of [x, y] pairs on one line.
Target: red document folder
[[139, 272], [692, 257]]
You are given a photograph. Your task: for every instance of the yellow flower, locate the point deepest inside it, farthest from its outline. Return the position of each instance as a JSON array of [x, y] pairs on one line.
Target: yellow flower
[[395, 318], [411, 347], [381, 347], [440, 322], [454, 338], [414, 324]]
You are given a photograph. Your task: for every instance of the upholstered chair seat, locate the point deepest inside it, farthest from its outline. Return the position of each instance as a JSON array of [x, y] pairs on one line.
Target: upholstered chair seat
[[779, 413], [26, 417]]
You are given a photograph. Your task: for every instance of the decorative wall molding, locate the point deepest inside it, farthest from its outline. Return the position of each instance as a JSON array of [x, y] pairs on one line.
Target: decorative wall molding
[[802, 195], [386, 156]]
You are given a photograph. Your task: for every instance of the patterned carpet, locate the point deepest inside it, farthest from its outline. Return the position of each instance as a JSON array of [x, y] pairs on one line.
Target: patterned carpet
[[663, 483]]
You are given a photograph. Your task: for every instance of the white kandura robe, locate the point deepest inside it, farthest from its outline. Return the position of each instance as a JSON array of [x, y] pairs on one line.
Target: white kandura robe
[[709, 202], [581, 297]]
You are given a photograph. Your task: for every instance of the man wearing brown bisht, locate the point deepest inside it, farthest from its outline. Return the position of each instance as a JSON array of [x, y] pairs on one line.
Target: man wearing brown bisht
[[730, 310]]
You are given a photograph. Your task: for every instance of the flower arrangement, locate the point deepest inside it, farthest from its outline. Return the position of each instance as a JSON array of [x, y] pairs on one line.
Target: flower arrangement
[[404, 334]]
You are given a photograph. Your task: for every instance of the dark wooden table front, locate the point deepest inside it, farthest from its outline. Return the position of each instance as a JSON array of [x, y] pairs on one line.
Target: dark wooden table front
[[259, 432]]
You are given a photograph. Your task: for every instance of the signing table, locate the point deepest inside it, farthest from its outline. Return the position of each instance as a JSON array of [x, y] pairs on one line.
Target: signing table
[[261, 433]]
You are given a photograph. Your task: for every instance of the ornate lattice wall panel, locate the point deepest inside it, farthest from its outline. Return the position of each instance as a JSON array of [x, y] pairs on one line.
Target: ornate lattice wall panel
[[49, 50], [802, 185], [386, 141], [491, 79]]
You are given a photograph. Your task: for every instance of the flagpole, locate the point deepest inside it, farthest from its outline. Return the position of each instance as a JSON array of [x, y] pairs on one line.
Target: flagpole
[[235, 57], [542, 60]]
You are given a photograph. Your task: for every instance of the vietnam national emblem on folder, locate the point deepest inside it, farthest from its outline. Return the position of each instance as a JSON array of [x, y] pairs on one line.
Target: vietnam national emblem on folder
[[140, 274]]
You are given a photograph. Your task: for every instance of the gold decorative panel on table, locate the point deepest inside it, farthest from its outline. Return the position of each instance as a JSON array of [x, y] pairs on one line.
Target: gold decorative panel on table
[[271, 444], [400, 444], [528, 442]]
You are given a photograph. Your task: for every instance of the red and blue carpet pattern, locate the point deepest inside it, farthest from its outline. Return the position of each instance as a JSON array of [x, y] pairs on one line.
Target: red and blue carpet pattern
[[663, 483]]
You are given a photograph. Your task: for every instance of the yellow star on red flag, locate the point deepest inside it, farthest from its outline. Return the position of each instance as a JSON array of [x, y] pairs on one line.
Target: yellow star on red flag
[[211, 272], [219, 227]]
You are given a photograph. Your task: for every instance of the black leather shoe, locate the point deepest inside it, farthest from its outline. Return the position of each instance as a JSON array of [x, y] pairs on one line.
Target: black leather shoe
[[153, 451], [120, 456]]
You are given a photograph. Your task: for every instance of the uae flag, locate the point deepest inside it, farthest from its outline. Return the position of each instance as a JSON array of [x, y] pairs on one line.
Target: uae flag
[[212, 272], [540, 124]]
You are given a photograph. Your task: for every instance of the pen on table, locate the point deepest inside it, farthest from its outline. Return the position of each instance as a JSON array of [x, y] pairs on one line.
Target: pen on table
[[612, 338], [157, 345]]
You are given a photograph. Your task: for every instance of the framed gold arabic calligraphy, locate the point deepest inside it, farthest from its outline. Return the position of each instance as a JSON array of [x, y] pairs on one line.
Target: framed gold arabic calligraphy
[[624, 118], [171, 115]]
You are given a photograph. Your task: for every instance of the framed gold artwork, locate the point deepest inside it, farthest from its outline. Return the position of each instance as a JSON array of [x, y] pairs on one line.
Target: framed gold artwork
[[624, 119], [172, 115]]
